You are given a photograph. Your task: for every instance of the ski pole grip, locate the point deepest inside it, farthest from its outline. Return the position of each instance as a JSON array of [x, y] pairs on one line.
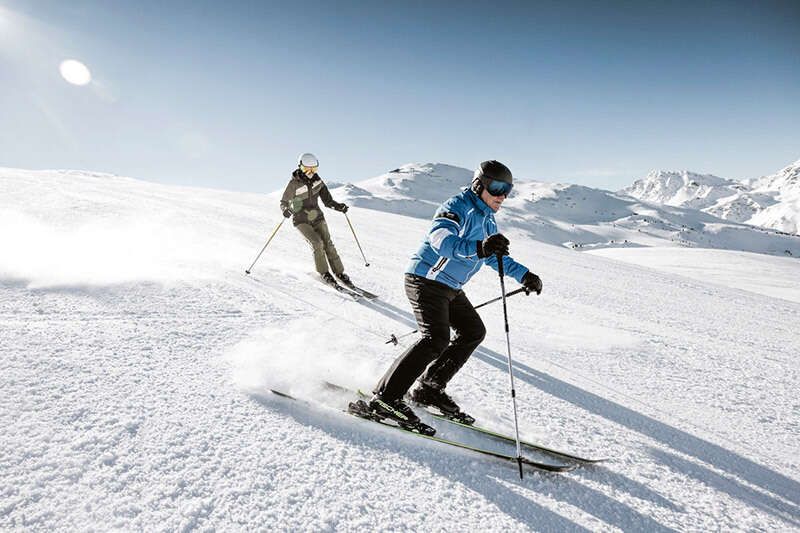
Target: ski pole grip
[[500, 264]]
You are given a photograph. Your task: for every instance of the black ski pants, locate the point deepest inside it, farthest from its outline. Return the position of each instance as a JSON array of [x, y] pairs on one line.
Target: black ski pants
[[437, 308]]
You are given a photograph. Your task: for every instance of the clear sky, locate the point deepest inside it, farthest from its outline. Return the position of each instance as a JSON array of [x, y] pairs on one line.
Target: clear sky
[[227, 94]]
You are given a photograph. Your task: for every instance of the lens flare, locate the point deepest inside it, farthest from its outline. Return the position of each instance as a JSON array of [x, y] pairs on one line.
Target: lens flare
[[75, 72]]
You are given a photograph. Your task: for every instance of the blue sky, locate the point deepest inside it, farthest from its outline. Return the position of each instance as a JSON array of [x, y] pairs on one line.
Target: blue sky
[[227, 94]]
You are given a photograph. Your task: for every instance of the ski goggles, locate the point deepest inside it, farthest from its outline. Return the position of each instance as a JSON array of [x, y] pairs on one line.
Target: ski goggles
[[307, 169], [498, 188]]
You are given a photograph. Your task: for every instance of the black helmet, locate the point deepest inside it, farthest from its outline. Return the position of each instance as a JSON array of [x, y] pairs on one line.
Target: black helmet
[[493, 176]]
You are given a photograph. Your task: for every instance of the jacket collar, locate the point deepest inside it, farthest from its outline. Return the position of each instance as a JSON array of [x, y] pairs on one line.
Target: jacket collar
[[301, 176], [479, 204]]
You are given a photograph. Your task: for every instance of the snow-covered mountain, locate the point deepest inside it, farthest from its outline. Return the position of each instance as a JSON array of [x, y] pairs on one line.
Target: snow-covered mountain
[[784, 188], [575, 216], [683, 189], [770, 201], [414, 189], [137, 360]]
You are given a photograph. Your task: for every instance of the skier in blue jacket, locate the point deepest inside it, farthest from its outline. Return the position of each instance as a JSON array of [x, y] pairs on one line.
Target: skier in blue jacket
[[462, 238]]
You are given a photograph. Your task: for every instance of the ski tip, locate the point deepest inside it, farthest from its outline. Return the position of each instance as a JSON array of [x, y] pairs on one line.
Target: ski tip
[[547, 467], [282, 394]]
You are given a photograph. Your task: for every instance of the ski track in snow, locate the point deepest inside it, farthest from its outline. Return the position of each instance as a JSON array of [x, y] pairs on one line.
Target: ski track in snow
[[140, 400]]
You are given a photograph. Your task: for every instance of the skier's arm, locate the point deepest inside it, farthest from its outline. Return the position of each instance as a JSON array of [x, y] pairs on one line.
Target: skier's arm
[[444, 237], [325, 196], [510, 267], [328, 200], [288, 194]]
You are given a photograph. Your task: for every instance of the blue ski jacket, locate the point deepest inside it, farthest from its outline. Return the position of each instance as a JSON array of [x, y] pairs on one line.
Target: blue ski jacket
[[449, 253]]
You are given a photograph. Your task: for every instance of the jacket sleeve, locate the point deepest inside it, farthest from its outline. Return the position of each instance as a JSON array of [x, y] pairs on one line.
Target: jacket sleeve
[[327, 199], [444, 233], [288, 194], [510, 267]]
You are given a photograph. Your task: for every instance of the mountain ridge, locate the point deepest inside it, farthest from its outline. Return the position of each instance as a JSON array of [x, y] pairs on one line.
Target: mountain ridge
[[770, 201], [574, 216]]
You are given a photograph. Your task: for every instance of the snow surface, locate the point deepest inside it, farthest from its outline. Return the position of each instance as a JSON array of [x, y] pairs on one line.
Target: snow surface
[[769, 201], [137, 360], [771, 276]]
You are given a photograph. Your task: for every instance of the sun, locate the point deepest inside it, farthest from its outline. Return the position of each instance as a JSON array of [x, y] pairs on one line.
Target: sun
[[75, 72]]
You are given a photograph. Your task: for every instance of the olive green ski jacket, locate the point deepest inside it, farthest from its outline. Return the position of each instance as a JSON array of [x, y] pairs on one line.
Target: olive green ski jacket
[[301, 195]]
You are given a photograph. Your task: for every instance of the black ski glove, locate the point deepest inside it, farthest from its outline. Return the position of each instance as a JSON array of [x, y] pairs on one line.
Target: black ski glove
[[342, 208], [532, 283], [287, 212], [495, 244]]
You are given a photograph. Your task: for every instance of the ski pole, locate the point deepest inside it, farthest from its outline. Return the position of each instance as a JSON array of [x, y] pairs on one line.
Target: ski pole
[[493, 300], [393, 338], [510, 368], [265, 246], [366, 263]]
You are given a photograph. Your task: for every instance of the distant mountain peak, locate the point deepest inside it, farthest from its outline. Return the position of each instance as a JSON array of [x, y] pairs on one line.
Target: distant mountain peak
[[682, 188], [771, 201]]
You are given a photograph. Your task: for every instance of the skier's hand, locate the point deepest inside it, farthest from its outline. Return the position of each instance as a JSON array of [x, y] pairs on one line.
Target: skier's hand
[[532, 283], [495, 244], [342, 208], [287, 212]]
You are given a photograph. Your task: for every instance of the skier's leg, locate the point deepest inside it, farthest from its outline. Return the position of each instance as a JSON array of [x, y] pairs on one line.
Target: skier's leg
[[470, 332], [330, 249], [430, 301], [317, 247]]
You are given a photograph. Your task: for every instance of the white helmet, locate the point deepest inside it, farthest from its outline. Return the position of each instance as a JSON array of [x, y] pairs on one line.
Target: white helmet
[[308, 160]]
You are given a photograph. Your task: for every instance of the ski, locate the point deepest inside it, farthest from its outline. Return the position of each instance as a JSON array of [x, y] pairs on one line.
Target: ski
[[499, 436], [510, 439], [342, 289], [547, 467], [363, 292]]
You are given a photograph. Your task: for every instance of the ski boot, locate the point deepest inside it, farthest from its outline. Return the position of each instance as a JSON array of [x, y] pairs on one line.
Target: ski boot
[[345, 280], [428, 396], [327, 279], [397, 411]]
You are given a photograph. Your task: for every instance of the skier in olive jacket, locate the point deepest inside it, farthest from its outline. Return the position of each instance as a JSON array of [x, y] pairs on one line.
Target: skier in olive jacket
[[299, 201]]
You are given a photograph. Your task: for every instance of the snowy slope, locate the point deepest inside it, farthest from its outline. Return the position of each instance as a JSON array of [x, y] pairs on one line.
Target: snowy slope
[[771, 276], [137, 357], [769, 201], [574, 216]]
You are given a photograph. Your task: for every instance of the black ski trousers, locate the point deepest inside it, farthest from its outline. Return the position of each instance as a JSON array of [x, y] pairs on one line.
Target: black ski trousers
[[437, 308]]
